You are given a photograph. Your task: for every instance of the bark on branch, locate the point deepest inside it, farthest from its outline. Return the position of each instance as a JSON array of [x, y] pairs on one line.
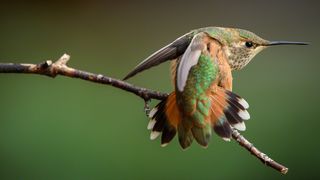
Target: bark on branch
[[52, 69], [59, 67]]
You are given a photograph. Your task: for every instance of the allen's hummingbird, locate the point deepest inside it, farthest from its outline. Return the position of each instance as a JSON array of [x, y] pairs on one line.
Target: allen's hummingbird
[[202, 61]]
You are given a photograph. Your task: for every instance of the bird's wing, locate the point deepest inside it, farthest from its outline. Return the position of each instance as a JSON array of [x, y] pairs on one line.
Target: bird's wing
[[169, 52], [190, 58]]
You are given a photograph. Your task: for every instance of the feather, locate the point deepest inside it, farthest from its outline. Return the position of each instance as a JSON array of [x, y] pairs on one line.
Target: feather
[[158, 126], [189, 59], [164, 120], [244, 114], [153, 112], [154, 135], [202, 134], [228, 108], [244, 103], [169, 52], [240, 126], [151, 124], [223, 128], [185, 137], [168, 134]]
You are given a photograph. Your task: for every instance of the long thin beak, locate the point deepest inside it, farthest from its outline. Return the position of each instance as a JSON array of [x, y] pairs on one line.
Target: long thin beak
[[274, 43]]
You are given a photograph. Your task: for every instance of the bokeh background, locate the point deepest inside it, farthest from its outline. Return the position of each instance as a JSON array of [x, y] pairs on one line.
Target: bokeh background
[[66, 128]]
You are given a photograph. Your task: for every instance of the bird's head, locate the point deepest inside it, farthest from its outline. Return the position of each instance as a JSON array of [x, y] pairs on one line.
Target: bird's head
[[240, 46]]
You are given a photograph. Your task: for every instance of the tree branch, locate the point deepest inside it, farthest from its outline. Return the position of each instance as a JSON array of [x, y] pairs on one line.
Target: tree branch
[[60, 67], [257, 153], [52, 69]]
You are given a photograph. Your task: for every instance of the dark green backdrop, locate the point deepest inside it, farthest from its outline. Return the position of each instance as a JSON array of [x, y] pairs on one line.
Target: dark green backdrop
[[65, 128]]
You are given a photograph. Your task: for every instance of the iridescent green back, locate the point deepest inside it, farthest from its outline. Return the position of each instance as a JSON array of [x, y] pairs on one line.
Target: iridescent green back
[[194, 98]]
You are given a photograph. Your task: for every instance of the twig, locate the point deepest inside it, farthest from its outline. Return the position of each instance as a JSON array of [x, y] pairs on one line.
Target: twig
[[257, 153], [60, 67]]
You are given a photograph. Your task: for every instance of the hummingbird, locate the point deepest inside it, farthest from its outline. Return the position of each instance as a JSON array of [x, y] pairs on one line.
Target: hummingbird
[[201, 69]]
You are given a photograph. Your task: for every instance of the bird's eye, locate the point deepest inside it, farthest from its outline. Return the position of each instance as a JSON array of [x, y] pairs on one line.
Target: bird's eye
[[249, 44]]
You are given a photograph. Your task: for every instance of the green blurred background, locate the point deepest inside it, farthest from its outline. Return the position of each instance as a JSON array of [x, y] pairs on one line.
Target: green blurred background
[[66, 128]]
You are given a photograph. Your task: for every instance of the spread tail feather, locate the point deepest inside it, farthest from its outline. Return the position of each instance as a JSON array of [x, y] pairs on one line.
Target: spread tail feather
[[165, 118], [227, 111]]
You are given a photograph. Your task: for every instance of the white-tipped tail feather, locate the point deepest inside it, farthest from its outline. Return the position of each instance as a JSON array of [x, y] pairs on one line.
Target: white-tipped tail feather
[[164, 144], [154, 135], [226, 139], [151, 124], [240, 126], [153, 112], [244, 114], [244, 103]]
